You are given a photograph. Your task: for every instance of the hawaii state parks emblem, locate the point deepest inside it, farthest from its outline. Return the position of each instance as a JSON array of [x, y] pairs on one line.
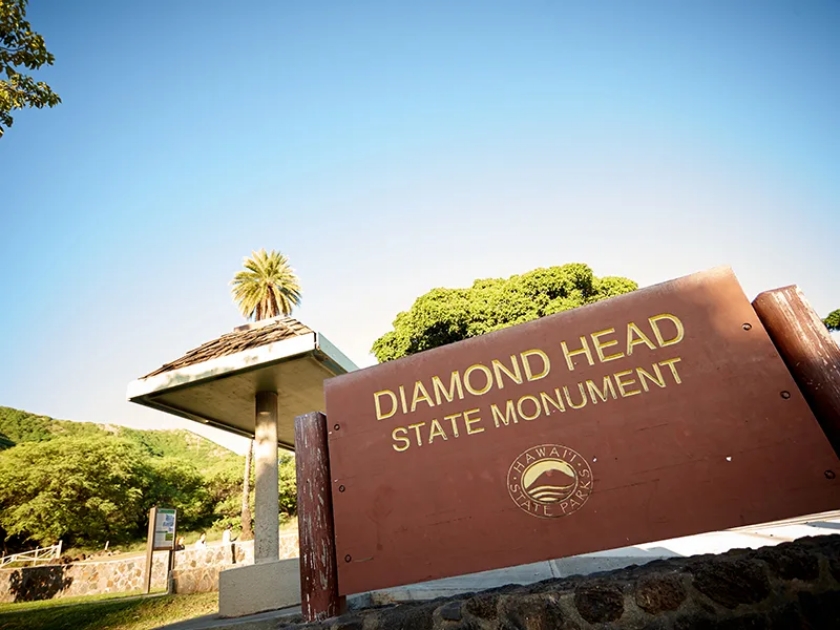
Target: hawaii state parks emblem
[[549, 481]]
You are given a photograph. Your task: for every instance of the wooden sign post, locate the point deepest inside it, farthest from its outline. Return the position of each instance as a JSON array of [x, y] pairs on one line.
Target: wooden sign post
[[808, 350], [161, 536], [661, 413], [318, 577]]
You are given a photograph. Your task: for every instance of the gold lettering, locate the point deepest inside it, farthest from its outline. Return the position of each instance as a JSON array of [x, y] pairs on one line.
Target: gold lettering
[[602, 394], [537, 408], [583, 350], [658, 333], [468, 422], [659, 380], [529, 374], [499, 368], [436, 431], [621, 384], [424, 396], [488, 375], [452, 419], [582, 397], [632, 329], [402, 399], [380, 415], [510, 414], [671, 364], [454, 385], [600, 345], [396, 437], [548, 400], [416, 428]]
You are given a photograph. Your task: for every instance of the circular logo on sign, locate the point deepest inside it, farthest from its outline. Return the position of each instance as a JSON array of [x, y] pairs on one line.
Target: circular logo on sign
[[549, 481]]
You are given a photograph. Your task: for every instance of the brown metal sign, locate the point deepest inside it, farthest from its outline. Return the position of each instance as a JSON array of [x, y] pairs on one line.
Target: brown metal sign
[[661, 413]]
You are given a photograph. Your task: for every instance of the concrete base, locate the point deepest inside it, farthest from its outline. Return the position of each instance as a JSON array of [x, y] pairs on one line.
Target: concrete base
[[524, 574], [258, 587]]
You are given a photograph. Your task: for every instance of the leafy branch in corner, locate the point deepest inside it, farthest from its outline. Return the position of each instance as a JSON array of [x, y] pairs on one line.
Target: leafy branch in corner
[[21, 48]]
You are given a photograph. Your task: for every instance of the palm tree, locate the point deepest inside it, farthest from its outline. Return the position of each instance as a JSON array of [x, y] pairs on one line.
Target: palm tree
[[267, 287], [247, 531]]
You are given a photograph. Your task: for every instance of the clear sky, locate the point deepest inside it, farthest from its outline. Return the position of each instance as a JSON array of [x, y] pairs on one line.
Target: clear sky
[[388, 148]]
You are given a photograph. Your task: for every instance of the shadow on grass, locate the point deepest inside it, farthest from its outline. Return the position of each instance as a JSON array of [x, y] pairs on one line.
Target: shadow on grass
[[39, 583], [136, 613]]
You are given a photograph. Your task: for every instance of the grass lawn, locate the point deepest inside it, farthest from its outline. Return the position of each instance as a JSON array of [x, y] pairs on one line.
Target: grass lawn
[[106, 612]]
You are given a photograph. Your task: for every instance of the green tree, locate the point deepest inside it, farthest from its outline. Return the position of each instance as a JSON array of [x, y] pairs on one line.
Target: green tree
[[21, 426], [832, 322], [81, 490], [245, 516], [287, 484], [267, 287], [21, 47], [179, 484], [5, 442], [444, 316], [225, 485]]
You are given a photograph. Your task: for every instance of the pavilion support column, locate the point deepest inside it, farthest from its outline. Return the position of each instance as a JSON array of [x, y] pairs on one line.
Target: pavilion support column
[[266, 514]]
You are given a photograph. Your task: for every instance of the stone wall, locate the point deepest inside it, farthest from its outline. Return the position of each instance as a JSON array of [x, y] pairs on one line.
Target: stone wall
[[197, 571], [194, 571], [83, 578], [792, 585]]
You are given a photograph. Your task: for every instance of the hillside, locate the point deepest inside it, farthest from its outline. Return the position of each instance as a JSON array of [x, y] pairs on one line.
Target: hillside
[[110, 477], [19, 427]]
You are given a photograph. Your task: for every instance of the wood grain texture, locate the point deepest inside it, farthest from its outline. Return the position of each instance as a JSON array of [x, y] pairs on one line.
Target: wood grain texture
[[724, 439], [318, 580], [809, 352]]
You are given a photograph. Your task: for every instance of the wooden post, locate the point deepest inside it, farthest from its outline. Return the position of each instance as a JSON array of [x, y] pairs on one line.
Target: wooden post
[[170, 566], [318, 571], [150, 545], [809, 352]]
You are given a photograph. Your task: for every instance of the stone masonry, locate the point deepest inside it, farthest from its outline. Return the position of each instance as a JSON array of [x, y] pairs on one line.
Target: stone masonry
[[195, 571], [790, 586]]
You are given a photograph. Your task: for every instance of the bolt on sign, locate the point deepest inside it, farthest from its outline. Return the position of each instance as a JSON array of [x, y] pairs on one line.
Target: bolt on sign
[[661, 413]]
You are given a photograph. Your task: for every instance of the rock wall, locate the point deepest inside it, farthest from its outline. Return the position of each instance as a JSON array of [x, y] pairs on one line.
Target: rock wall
[[194, 571], [83, 578], [792, 585], [198, 570]]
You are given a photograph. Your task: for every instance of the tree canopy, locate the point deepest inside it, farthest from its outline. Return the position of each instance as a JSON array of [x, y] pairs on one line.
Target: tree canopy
[[21, 48], [267, 287], [832, 322], [88, 484], [444, 316], [90, 490]]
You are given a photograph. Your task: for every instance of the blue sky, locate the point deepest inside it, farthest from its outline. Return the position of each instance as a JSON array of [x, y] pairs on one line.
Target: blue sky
[[388, 148]]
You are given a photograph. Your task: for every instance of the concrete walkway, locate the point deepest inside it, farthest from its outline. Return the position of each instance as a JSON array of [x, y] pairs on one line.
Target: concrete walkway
[[716, 542]]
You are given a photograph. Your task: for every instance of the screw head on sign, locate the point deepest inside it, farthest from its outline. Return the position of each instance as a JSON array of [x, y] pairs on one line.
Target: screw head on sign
[[341, 488], [829, 474], [785, 394], [747, 326], [347, 558], [336, 427]]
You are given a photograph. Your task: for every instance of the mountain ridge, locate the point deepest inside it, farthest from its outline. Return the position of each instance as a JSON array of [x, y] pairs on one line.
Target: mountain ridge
[[18, 426]]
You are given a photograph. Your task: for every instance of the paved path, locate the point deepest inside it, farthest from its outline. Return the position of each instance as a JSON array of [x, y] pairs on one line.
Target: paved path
[[715, 542]]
